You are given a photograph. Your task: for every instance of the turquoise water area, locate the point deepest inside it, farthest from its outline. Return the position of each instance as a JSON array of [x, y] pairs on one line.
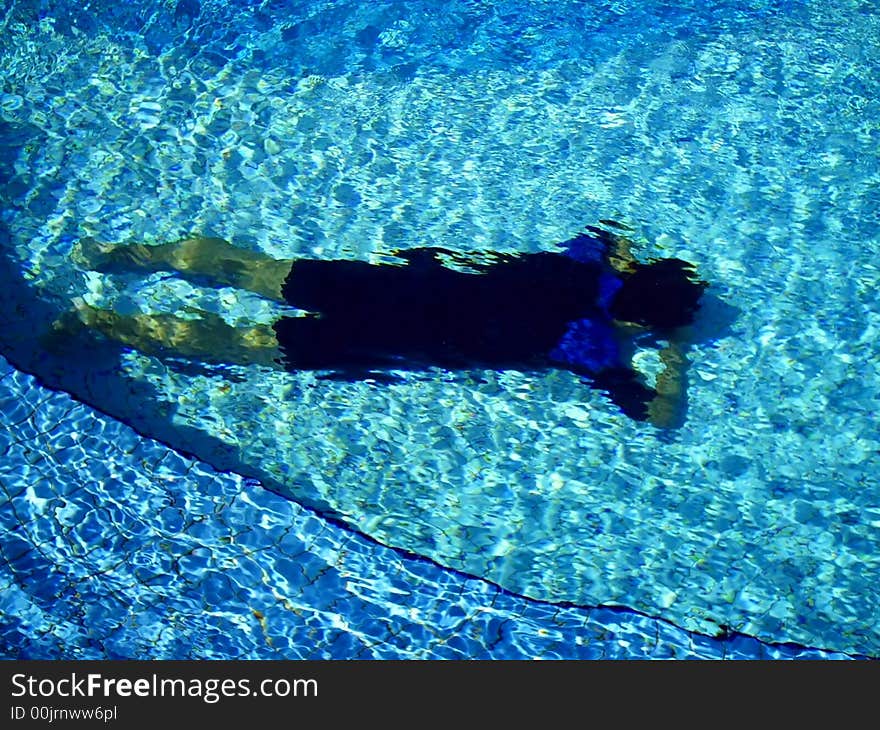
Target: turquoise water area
[[740, 136]]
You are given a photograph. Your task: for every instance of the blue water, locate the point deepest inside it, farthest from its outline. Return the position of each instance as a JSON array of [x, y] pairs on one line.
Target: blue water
[[155, 507]]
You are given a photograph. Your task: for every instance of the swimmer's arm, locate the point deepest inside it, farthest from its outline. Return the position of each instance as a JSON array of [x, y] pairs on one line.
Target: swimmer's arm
[[609, 245], [626, 389], [618, 247], [665, 404], [667, 407]]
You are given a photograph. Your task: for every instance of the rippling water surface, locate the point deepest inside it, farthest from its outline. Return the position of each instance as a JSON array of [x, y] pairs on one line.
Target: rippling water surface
[[741, 137]]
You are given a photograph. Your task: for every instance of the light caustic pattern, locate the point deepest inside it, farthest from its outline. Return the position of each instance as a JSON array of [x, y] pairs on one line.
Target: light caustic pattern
[[744, 141]]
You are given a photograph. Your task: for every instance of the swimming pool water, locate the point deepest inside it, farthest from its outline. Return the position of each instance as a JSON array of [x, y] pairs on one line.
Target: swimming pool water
[[742, 137], [116, 547]]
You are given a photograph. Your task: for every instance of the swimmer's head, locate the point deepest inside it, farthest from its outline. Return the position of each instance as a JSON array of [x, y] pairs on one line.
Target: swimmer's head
[[663, 294]]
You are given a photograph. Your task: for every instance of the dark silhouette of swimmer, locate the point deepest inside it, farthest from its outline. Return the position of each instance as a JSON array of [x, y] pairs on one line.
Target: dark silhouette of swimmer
[[581, 309]]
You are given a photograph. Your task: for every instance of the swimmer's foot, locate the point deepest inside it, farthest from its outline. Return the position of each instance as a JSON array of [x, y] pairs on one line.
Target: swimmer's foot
[[86, 314], [114, 257], [81, 316], [68, 323], [67, 326]]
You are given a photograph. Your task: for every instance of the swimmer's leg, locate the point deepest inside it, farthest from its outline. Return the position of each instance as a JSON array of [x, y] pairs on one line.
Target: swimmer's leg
[[213, 259], [208, 338]]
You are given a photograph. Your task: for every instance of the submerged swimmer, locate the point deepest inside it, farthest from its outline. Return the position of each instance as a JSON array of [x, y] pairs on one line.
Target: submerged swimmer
[[583, 309]]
